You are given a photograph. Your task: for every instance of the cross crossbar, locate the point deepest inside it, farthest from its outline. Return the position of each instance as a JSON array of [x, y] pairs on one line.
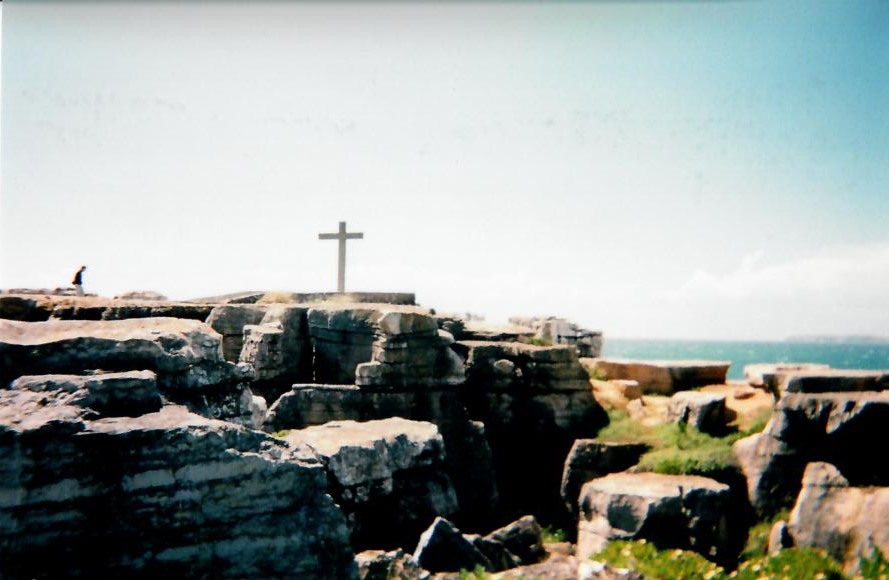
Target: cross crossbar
[[342, 236]]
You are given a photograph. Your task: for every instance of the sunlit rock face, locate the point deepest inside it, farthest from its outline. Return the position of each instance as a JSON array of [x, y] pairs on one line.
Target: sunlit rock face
[[165, 493]]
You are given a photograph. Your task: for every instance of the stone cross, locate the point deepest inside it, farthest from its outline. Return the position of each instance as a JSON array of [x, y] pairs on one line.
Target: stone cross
[[342, 236]]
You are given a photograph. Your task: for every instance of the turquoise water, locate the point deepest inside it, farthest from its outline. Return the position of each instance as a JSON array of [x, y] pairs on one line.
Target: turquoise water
[[837, 355]]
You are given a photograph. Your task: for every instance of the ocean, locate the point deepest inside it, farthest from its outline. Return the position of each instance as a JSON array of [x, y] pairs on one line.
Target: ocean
[[870, 356]]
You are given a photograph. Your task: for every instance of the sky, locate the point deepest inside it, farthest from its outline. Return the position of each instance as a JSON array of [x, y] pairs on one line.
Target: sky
[[690, 169]]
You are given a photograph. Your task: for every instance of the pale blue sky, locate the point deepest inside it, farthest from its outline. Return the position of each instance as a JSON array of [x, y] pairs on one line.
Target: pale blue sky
[[653, 169]]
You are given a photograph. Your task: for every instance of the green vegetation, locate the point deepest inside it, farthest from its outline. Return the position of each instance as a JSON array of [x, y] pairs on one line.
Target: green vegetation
[[759, 423], [758, 537], [675, 448], [643, 557], [874, 567], [552, 535], [478, 574], [596, 374], [793, 563]]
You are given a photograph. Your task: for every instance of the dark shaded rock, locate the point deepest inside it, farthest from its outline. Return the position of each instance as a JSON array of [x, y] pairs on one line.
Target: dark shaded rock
[[25, 308], [108, 395], [590, 459], [837, 428], [388, 476], [342, 338], [442, 548], [703, 411], [164, 494], [825, 380], [779, 537], [495, 551], [848, 522], [523, 538], [535, 402], [229, 321], [672, 511]]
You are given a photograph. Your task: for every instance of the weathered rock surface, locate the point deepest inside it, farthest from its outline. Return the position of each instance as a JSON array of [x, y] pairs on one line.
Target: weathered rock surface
[[388, 476], [523, 538], [495, 551], [848, 522], [442, 548], [661, 376], [826, 381], [615, 395], [184, 354], [40, 308], [838, 428], [703, 411], [534, 401], [561, 331], [130, 394], [141, 295], [392, 565], [673, 511], [481, 330], [468, 459], [164, 494], [745, 406], [229, 320], [590, 459], [342, 339], [410, 351], [760, 375]]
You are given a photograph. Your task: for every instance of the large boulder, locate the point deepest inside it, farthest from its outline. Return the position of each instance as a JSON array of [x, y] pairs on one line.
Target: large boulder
[[848, 522], [391, 565], [701, 410], [229, 320], [662, 377], [561, 331], [761, 375], [590, 459], [468, 459], [388, 476], [673, 511], [523, 537], [442, 548], [342, 338], [839, 428], [163, 494]]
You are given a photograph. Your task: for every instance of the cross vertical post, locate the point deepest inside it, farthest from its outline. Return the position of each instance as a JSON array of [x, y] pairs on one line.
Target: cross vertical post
[[341, 236]]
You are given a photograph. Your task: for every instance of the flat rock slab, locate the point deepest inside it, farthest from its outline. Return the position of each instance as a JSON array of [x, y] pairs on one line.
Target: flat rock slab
[[663, 376], [38, 308], [183, 353], [759, 374], [590, 459], [673, 511], [826, 381]]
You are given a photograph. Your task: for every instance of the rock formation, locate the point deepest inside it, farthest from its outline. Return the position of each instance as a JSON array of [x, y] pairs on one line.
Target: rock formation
[[590, 459], [388, 477], [661, 377], [673, 511], [703, 411], [166, 493], [838, 428]]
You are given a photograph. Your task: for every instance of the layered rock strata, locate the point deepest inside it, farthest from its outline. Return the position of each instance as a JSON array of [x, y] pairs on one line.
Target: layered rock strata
[[561, 331], [534, 401], [388, 476], [706, 412], [826, 381], [590, 459], [163, 494], [40, 308], [838, 428]]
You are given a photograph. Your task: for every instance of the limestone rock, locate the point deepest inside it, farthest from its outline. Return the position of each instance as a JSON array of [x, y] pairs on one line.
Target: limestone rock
[[40, 308], [538, 411], [779, 537], [164, 494], [590, 459], [131, 393], [661, 376], [703, 411], [495, 551], [141, 295], [673, 511], [342, 338], [523, 537], [761, 375], [561, 331], [442, 548], [615, 395], [185, 354], [839, 428], [481, 330], [388, 476], [826, 381], [392, 565], [848, 522], [229, 320], [469, 456]]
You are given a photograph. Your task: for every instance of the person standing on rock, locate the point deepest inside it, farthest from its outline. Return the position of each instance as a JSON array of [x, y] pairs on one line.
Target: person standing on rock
[[78, 281]]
